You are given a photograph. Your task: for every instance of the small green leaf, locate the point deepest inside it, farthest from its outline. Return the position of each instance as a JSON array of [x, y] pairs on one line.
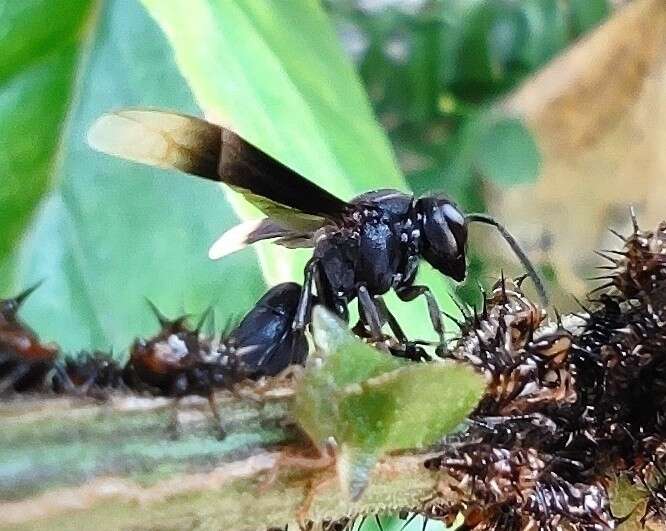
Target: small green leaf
[[507, 153], [340, 361], [370, 403]]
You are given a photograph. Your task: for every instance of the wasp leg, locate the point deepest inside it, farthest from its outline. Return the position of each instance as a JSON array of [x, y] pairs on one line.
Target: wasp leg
[[328, 298], [361, 328], [14, 377], [216, 415], [304, 303], [370, 313], [409, 293], [390, 319], [404, 348], [174, 428]]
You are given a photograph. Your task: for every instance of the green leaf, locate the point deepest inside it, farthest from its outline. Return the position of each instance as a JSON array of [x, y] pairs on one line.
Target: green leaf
[[370, 403], [507, 153], [491, 36], [341, 361], [546, 31], [586, 14], [40, 43], [279, 78], [109, 233]]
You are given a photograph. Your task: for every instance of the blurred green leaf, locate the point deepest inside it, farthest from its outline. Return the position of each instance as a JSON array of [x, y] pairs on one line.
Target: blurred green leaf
[[40, 42], [279, 78], [371, 403], [586, 14], [109, 233], [507, 153], [545, 32], [491, 38]]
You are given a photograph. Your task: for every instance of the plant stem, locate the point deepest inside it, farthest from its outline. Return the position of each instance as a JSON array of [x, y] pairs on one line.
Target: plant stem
[[72, 463]]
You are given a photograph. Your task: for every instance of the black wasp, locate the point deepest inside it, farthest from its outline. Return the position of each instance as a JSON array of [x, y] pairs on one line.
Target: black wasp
[[362, 248]]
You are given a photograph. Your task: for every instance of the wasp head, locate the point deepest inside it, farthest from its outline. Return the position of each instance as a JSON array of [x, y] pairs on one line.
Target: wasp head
[[443, 235]]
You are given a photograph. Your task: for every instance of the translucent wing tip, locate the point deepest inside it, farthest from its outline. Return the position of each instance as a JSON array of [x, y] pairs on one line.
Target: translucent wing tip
[[158, 138], [103, 133], [235, 239], [124, 134]]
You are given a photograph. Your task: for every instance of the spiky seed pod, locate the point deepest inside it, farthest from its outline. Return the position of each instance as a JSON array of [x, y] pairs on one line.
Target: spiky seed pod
[[527, 458], [518, 489], [25, 362], [92, 374], [641, 265], [523, 367], [177, 361]]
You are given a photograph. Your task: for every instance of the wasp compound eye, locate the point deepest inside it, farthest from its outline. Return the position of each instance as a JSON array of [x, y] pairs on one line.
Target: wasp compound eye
[[444, 235]]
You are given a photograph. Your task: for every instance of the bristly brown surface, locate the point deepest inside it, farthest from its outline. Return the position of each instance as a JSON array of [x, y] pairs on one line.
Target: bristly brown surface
[[565, 413]]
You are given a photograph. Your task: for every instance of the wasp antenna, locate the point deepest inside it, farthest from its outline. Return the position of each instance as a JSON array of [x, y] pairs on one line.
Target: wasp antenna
[[515, 246], [634, 220], [161, 318]]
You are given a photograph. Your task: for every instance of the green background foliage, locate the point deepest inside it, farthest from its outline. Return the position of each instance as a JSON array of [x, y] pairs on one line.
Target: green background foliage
[[300, 78]]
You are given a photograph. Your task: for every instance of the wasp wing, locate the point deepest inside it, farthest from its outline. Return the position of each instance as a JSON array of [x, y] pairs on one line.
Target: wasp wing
[[252, 231], [195, 146]]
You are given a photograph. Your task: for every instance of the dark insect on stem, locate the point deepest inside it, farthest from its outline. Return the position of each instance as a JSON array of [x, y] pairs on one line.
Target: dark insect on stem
[[179, 361], [88, 374], [25, 362], [264, 343], [362, 248]]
